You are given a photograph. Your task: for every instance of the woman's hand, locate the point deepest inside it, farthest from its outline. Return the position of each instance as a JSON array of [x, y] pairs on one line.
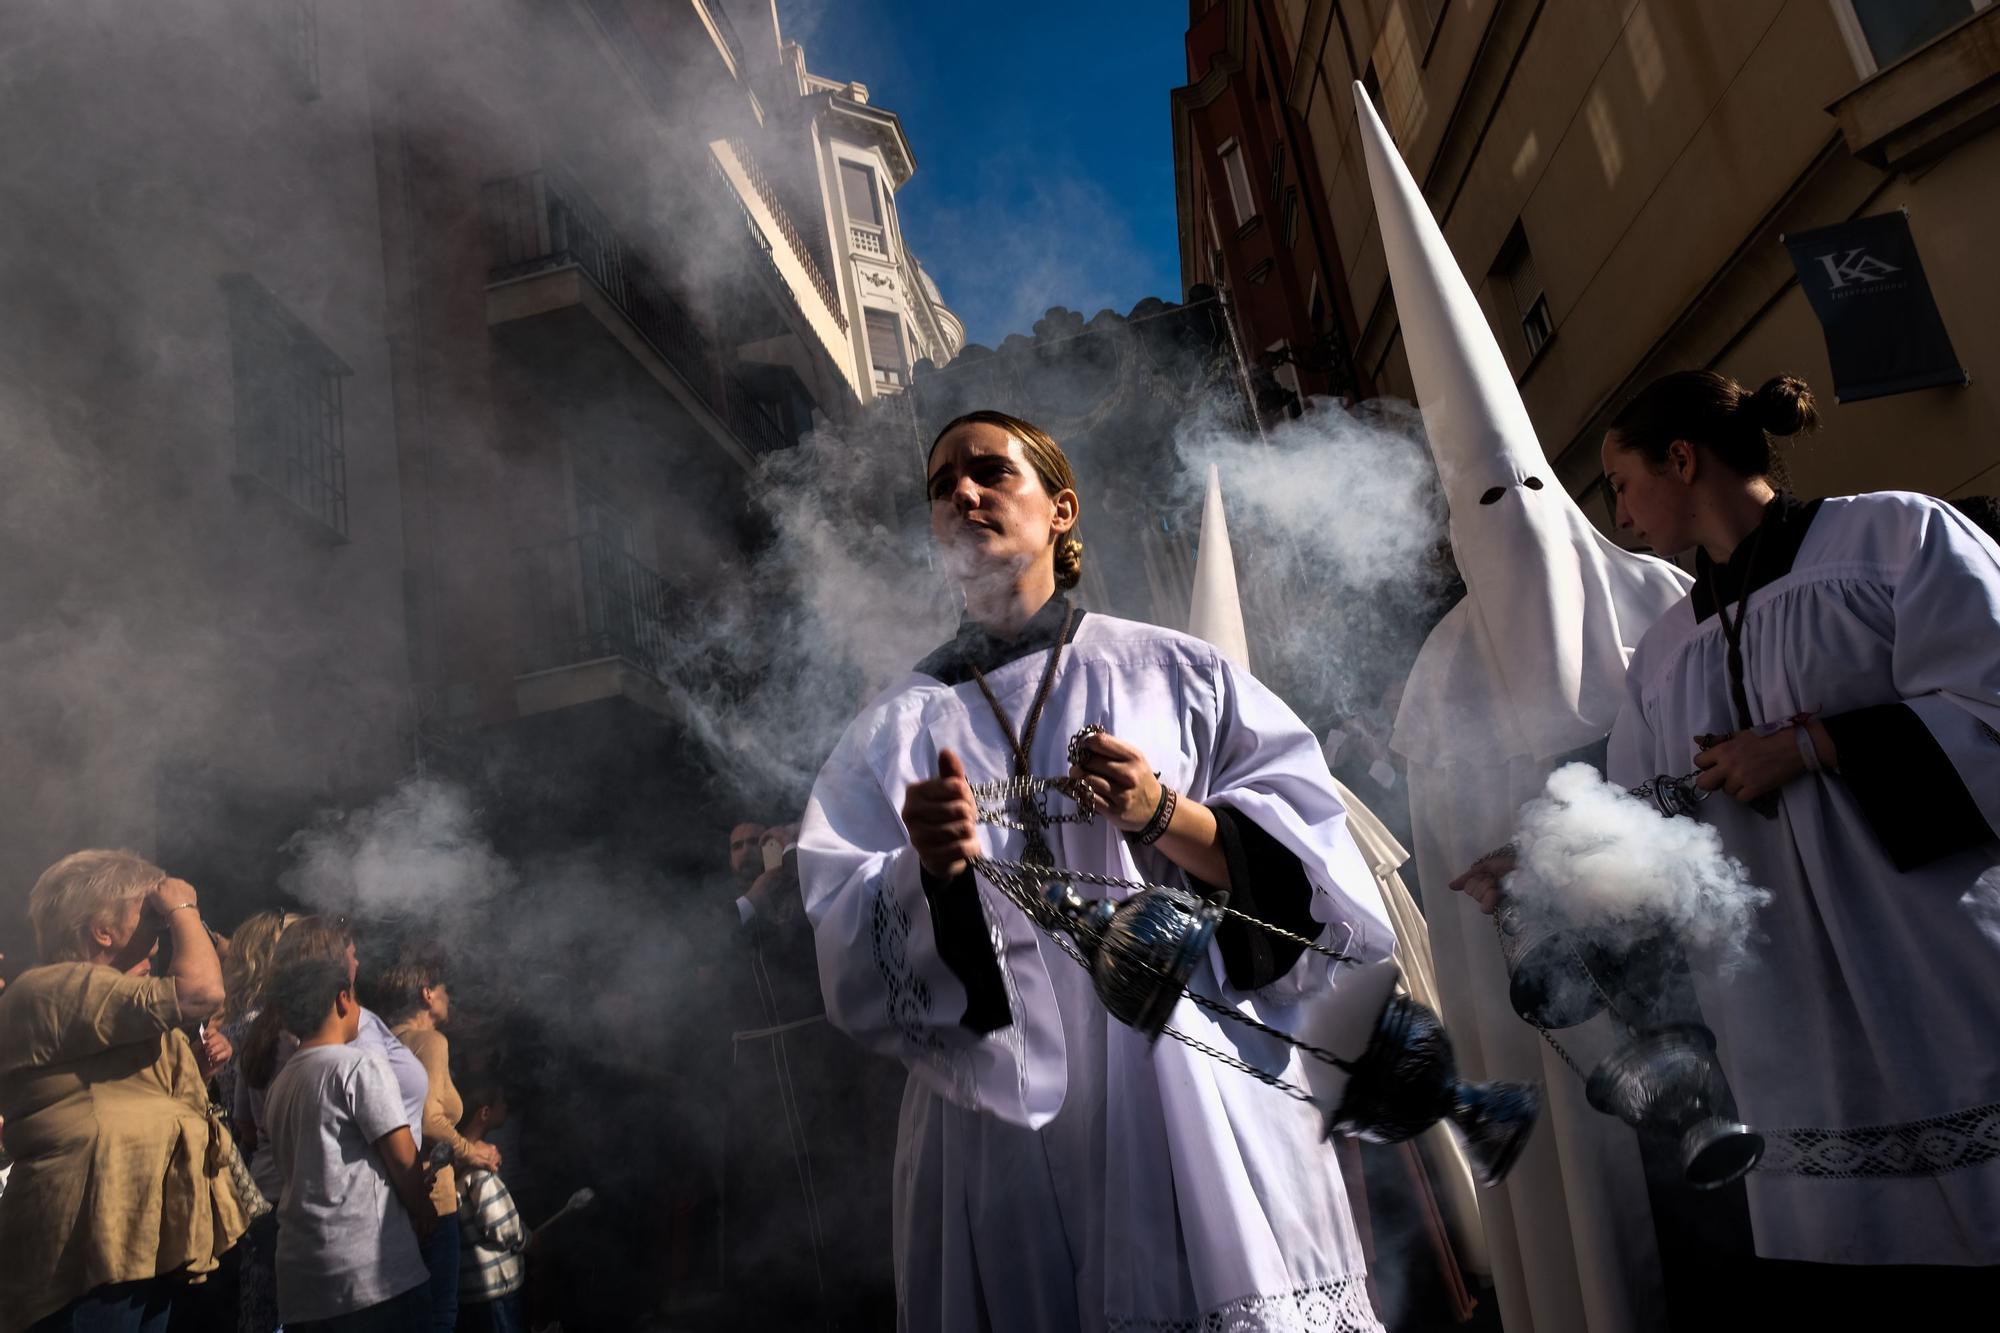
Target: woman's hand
[[481, 1156], [1481, 880], [1747, 766], [1119, 781], [171, 894], [941, 819], [213, 1052]]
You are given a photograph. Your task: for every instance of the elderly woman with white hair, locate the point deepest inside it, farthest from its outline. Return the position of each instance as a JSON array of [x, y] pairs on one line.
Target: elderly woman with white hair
[[119, 1195]]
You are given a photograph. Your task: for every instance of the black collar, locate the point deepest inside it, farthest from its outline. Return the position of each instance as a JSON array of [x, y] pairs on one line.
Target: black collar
[[973, 646], [1776, 547]]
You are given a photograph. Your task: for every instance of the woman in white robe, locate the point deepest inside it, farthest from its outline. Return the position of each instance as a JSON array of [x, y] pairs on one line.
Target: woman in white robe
[[1835, 674], [1055, 1171]]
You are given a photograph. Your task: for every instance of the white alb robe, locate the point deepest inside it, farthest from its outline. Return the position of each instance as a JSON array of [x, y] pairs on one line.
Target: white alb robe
[[1061, 1173], [1872, 998]]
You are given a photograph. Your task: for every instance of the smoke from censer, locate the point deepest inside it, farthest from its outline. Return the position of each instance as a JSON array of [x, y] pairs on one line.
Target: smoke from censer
[[1611, 867], [1337, 525]]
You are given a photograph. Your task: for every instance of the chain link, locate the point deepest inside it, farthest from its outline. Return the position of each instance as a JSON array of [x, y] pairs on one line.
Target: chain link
[[1051, 874], [1240, 1065], [1009, 882]]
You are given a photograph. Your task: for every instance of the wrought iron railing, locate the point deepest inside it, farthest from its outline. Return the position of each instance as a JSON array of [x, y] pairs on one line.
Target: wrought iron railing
[[793, 238], [584, 599], [540, 222], [720, 17]]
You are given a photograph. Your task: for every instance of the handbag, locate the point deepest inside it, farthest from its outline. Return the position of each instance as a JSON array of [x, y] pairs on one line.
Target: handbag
[[225, 1159]]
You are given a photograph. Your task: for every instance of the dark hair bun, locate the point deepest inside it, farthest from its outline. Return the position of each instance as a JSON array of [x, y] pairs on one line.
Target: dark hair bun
[[1069, 561], [1782, 406]]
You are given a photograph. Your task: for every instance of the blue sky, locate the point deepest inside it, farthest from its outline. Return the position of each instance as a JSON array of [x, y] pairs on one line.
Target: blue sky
[[1043, 139]]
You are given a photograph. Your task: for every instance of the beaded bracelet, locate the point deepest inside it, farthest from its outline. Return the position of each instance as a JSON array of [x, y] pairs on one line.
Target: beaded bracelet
[[1163, 815]]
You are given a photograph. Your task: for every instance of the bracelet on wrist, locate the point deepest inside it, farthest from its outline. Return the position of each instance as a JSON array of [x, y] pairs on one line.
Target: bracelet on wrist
[[1808, 749], [1163, 816], [181, 906]]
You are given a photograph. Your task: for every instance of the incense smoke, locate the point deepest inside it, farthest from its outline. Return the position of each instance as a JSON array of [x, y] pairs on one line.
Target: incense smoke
[[1615, 869], [1338, 525], [412, 855], [771, 665]]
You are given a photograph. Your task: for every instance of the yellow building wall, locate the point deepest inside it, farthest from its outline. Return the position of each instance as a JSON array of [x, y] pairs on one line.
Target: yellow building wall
[[1652, 151]]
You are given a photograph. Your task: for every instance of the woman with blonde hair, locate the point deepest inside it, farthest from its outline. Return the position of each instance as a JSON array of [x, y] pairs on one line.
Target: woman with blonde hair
[[244, 974], [1055, 1169], [119, 1194]]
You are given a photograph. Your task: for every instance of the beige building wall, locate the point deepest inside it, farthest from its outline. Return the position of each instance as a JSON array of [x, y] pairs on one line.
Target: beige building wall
[[1650, 154]]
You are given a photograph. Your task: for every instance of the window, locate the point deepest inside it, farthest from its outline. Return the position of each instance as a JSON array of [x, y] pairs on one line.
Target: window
[[1881, 32], [1316, 308], [857, 183], [885, 347], [289, 433], [1517, 289], [1397, 85], [1292, 215], [1238, 176], [598, 517]]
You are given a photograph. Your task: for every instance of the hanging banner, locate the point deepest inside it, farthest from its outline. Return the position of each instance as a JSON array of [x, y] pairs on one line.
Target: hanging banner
[[1866, 284]]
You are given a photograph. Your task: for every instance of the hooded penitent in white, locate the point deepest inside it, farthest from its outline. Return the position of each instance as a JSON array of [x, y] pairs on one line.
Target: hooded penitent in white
[[1527, 668], [1215, 614]]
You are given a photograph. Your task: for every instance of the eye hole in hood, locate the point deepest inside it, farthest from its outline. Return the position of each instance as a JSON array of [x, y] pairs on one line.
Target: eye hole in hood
[[1494, 493]]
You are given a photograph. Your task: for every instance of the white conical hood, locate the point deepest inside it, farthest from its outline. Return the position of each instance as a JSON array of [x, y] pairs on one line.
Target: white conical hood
[[1532, 662], [1216, 613]]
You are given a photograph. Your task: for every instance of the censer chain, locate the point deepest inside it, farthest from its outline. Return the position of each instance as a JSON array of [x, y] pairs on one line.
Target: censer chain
[[1008, 884], [1050, 875]]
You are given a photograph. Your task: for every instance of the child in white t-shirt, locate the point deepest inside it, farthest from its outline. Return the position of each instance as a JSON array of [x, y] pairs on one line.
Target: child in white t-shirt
[[348, 1260]]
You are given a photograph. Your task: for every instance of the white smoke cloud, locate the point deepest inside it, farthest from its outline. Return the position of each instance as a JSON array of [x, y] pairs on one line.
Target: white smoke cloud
[[1613, 867], [1336, 521], [417, 853]]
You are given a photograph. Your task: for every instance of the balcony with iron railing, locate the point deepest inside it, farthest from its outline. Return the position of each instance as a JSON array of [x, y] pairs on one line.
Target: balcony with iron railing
[[794, 240], [793, 261], [586, 602], [550, 247], [725, 30]]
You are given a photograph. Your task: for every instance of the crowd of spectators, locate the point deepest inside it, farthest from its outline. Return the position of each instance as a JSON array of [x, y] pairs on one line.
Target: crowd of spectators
[[272, 1130], [250, 1132]]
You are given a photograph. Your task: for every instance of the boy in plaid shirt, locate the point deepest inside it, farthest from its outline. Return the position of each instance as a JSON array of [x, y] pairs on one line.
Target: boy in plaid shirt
[[492, 1238]]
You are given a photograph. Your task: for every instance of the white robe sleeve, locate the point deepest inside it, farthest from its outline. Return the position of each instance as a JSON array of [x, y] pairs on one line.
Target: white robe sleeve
[[1947, 648], [1266, 765], [883, 979], [1629, 760]]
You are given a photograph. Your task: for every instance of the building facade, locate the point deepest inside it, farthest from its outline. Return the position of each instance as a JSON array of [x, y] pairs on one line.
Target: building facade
[[1252, 216], [413, 393], [1616, 180]]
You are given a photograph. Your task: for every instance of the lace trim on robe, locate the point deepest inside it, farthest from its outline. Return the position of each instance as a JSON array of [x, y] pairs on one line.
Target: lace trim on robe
[[1010, 1036], [1338, 1305], [908, 996], [1930, 1147]]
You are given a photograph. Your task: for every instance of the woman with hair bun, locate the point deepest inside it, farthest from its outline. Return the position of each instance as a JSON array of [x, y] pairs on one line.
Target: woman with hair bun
[[1834, 676], [1054, 1170]]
